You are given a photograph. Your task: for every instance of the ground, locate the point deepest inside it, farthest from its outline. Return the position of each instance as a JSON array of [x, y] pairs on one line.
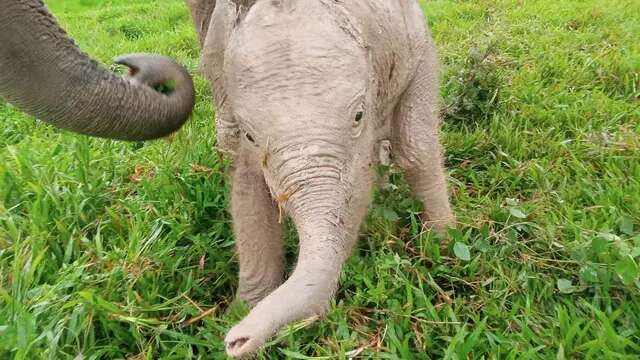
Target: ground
[[112, 250]]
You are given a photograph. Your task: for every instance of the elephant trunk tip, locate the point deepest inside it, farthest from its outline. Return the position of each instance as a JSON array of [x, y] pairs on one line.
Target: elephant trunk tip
[[166, 77], [156, 70]]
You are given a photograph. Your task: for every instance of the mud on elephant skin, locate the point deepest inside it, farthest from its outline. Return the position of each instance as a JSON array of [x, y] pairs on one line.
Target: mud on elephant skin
[[306, 92], [43, 73]]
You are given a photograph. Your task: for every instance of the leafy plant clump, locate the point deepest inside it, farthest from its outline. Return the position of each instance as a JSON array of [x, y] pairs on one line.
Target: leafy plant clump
[[474, 91]]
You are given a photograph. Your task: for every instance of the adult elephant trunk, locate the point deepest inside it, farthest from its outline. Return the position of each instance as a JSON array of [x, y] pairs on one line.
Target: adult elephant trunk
[[43, 73]]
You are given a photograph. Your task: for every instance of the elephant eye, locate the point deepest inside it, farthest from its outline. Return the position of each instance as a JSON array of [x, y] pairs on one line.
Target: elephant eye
[[358, 124], [249, 137], [359, 116]]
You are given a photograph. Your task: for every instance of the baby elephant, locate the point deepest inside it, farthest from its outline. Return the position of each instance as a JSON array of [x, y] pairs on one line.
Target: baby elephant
[[307, 91]]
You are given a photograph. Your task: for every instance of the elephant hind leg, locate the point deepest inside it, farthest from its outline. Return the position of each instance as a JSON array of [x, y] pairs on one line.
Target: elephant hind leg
[[416, 146]]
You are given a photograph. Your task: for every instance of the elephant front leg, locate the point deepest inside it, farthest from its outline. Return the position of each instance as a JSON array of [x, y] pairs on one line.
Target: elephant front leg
[[257, 232], [416, 145]]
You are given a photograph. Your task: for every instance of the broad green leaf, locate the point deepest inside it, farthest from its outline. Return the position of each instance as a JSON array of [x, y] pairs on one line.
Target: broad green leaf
[[599, 245], [461, 251], [626, 226], [482, 245], [517, 213], [565, 286], [627, 270], [390, 215], [589, 274]]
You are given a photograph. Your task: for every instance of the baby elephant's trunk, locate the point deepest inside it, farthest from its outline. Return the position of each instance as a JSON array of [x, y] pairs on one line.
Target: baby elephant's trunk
[[311, 182], [311, 187], [325, 243], [319, 201]]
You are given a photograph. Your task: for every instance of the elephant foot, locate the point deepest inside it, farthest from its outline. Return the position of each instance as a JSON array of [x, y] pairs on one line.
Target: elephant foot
[[293, 301], [440, 224]]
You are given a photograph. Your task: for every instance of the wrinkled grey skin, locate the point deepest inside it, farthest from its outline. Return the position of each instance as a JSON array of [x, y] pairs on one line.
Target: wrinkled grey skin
[[43, 73], [308, 91]]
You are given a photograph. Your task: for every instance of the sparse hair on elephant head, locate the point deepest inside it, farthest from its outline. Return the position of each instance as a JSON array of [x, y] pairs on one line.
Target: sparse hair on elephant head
[[43, 73]]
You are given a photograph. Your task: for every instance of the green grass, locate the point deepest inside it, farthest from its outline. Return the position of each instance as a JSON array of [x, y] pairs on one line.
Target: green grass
[[109, 249]]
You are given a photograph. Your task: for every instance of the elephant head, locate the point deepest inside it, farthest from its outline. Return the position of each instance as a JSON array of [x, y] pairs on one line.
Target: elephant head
[[306, 111], [43, 73]]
